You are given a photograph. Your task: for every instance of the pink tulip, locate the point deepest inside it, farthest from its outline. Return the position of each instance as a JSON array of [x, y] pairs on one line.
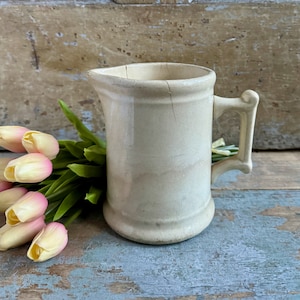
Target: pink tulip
[[48, 243], [40, 142], [5, 185], [10, 197], [14, 236], [3, 164], [4, 160], [29, 168], [11, 138], [28, 208]]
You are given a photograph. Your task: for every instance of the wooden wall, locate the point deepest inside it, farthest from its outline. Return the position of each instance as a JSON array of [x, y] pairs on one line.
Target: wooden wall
[[46, 48]]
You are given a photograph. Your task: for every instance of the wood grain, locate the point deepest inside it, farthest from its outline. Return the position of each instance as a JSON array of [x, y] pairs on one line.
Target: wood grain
[[277, 170], [250, 250], [46, 50]]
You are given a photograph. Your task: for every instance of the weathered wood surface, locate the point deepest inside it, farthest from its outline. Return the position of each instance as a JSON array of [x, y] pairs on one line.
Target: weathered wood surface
[[46, 49], [251, 250], [271, 170]]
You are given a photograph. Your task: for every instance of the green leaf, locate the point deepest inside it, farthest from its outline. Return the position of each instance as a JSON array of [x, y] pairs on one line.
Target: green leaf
[[84, 144], [48, 181], [95, 154], [62, 181], [93, 194], [62, 159], [74, 149], [74, 215], [44, 189], [83, 131], [70, 200], [87, 171], [62, 192], [50, 212]]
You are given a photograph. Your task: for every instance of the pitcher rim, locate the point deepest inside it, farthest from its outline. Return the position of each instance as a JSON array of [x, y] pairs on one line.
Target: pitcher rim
[[102, 72]]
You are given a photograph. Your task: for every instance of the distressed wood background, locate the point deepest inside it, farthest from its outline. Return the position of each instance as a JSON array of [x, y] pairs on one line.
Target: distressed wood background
[[47, 46]]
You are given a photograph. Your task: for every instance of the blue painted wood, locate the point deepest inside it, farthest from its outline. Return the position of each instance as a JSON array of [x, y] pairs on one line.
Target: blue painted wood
[[250, 251]]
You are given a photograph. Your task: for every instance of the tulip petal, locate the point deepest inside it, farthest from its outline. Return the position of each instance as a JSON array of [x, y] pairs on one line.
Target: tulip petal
[[3, 164], [11, 138], [28, 208], [48, 243], [29, 168], [14, 236], [5, 185], [40, 142], [10, 197], [4, 160]]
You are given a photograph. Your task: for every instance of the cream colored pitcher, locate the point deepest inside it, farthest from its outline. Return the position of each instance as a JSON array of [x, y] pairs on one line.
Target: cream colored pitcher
[[158, 120]]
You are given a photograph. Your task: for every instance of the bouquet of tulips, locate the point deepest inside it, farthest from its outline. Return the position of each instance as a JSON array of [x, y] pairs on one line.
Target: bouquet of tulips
[[24, 209], [45, 184], [47, 181]]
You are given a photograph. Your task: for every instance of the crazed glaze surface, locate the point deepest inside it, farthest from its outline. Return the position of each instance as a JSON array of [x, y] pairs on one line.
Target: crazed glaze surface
[[159, 132]]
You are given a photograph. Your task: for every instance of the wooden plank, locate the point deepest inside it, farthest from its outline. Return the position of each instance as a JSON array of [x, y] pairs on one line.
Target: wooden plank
[[250, 251], [271, 170], [46, 50]]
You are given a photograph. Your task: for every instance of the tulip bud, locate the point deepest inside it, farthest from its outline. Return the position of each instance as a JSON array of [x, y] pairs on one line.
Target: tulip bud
[[28, 208], [40, 142], [5, 185], [10, 197], [14, 236], [4, 160], [11, 138], [29, 168], [48, 243], [3, 164]]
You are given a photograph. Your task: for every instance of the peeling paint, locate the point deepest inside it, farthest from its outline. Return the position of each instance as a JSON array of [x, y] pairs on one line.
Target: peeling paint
[[224, 214], [216, 7], [59, 34], [292, 214], [32, 292], [73, 44], [121, 287], [241, 259], [63, 272], [75, 77], [187, 298], [234, 295]]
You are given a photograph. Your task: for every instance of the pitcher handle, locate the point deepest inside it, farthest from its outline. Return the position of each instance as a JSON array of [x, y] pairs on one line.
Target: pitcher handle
[[246, 106]]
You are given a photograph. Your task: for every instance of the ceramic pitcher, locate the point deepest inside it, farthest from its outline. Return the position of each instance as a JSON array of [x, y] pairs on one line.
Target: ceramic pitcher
[[158, 120]]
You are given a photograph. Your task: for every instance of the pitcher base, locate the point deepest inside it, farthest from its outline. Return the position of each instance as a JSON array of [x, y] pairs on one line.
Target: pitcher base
[[159, 233]]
